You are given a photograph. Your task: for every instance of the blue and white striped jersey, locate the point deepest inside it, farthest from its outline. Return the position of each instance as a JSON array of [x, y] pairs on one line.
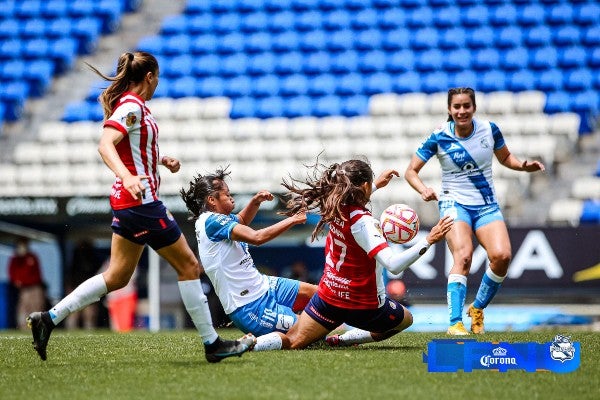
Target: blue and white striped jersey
[[466, 162]]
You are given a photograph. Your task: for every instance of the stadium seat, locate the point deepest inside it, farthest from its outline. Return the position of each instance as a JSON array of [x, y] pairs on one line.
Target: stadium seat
[[503, 15], [31, 28], [372, 61], [275, 128], [491, 81], [13, 95], [313, 41], [480, 37], [586, 14], [255, 22], [243, 107], [210, 87], [558, 101], [522, 80], [150, 44], [411, 104], [281, 21], [485, 59], [317, 63], [457, 60], [200, 24], [286, 64], [258, 42], [530, 102], [550, 80], [474, 16], [572, 57], [239, 86], [216, 107], [559, 14], [538, 36], [227, 23], [587, 103], [400, 61], [543, 58], [378, 83], [566, 36], [565, 124], [178, 66], [300, 106], [366, 19], [286, 42], [308, 20], [337, 20], [464, 79], [393, 18], [396, 39], [509, 37], [327, 106], [446, 17], [565, 211], [435, 82], [174, 25], [231, 43], [514, 59], [419, 17], [356, 105], [367, 40], [234, 65], [407, 82], [429, 60], [294, 85], [321, 85], [383, 104], [586, 188], [578, 80], [350, 84], [530, 15], [54, 9], [184, 86], [499, 102], [340, 40], [206, 65], [265, 63], [424, 39], [266, 86], [590, 213], [453, 38]]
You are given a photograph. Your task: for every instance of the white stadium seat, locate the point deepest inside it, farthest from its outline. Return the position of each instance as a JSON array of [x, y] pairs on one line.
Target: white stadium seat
[[530, 102], [565, 211], [332, 127], [187, 108], [437, 104], [586, 188], [360, 127], [384, 104], [501, 102], [411, 104], [53, 131], [216, 107], [28, 152], [275, 128], [565, 124]]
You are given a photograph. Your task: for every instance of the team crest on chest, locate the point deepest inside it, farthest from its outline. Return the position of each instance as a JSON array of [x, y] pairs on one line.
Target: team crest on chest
[[130, 119]]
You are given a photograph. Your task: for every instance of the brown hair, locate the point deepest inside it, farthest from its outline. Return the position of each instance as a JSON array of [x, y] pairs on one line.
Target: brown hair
[[460, 90], [329, 188], [200, 188], [131, 68]]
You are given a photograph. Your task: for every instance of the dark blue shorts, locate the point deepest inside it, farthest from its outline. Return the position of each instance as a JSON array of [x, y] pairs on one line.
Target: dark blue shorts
[[379, 320], [150, 224]]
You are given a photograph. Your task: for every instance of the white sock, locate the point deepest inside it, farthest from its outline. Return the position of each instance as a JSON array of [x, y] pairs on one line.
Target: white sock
[[270, 341], [196, 304], [85, 294], [356, 336]]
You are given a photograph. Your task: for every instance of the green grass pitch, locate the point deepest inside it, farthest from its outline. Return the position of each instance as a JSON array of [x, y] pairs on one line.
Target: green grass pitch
[[171, 365]]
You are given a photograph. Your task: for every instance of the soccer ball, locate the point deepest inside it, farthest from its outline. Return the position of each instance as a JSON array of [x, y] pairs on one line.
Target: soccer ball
[[399, 223]]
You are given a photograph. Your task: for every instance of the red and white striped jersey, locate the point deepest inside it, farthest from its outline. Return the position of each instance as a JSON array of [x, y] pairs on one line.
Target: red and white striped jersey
[[138, 150], [351, 278]]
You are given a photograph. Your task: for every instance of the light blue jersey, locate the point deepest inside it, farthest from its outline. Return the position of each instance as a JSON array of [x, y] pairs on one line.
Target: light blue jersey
[[466, 162]]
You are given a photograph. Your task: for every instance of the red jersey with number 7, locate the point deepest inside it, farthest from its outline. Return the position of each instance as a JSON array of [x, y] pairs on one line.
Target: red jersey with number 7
[[351, 278]]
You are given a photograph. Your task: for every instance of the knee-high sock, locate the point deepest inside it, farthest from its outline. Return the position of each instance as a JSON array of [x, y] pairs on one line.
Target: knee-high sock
[[490, 283], [270, 341], [356, 336], [196, 304], [90, 291], [457, 292]]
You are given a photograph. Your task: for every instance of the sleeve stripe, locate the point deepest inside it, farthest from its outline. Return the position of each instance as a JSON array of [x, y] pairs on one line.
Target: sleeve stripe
[[116, 125], [377, 249]]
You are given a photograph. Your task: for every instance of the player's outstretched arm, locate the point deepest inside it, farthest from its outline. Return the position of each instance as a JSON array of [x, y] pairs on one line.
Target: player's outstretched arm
[[509, 160], [171, 163], [414, 180], [244, 233], [249, 212], [385, 177]]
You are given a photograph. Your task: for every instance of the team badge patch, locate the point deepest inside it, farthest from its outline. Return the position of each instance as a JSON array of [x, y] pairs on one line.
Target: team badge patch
[[130, 119]]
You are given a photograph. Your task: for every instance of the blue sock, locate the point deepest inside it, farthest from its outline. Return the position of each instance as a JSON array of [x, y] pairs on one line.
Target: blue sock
[[490, 283], [457, 292]]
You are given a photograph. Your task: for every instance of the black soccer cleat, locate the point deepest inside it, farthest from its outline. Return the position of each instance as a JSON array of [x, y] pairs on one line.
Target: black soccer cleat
[[221, 349], [41, 326]]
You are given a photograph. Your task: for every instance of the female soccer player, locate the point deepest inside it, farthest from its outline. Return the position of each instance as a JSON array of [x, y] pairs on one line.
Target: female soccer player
[[254, 302], [351, 290], [464, 147], [129, 147]]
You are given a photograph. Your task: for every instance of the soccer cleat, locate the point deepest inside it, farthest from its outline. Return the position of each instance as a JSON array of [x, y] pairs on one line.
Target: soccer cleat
[[334, 341], [476, 315], [458, 329], [41, 326], [227, 348]]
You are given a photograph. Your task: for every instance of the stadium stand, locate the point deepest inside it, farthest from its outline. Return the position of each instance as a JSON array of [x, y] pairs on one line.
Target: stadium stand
[[313, 73]]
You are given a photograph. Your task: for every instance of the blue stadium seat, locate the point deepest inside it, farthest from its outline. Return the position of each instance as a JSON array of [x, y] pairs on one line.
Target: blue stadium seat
[[194, 7], [258, 42], [365, 19], [39, 75], [59, 28], [337, 20], [446, 17], [356, 5], [538, 36], [32, 28], [199, 24], [578, 80], [110, 14], [550, 80], [11, 49], [322, 85], [81, 8], [341, 40], [353, 106], [372, 61], [543, 58], [514, 59], [396, 39], [586, 103], [345, 62], [174, 25], [36, 48], [586, 14], [52, 9], [151, 44], [475, 16], [270, 107], [407, 82], [466, 78], [329, 5], [234, 65], [559, 14], [184, 86], [419, 17], [566, 36], [313, 41], [227, 23], [300, 106], [594, 58], [63, 52], [503, 15], [212, 86], [327, 106], [522, 80], [243, 107], [591, 36], [294, 85], [12, 70], [303, 5], [317, 63], [379, 82], [28, 9], [282, 21], [177, 44], [435, 82], [231, 43], [178, 66], [8, 10], [204, 44], [350, 84], [9, 29], [87, 31], [250, 6], [400, 61], [457, 60], [13, 95], [424, 39], [492, 81], [239, 86], [288, 63], [508, 37], [77, 111], [308, 21], [286, 41], [530, 15], [572, 57], [206, 65], [266, 86], [223, 6], [429, 60], [265, 63], [370, 39], [590, 213], [393, 18], [255, 22], [480, 37], [453, 38], [556, 102]]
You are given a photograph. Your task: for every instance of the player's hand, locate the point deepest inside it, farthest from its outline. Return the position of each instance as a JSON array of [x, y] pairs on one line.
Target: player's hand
[[171, 163], [385, 177], [429, 194], [263, 195], [438, 232], [134, 185], [532, 166], [299, 217]]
